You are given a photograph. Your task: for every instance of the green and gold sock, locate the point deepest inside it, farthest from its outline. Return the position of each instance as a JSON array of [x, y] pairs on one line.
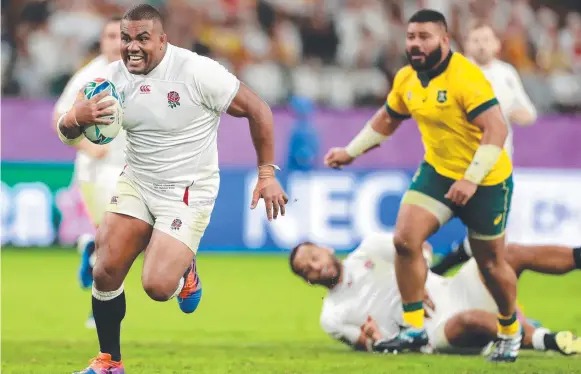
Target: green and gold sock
[[413, 314], [508, 325]]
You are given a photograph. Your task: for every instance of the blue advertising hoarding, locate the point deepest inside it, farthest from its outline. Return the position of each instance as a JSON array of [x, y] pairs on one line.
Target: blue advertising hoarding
[[333, 208]]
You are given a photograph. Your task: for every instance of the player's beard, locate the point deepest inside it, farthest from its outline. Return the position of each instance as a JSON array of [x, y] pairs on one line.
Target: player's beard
[[431, 60], [332, 282]]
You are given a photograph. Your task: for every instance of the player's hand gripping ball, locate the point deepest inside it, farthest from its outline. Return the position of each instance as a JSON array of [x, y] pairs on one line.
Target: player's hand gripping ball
[[98, 111]]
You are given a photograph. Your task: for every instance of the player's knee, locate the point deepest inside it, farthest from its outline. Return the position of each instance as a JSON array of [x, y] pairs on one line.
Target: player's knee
[[406, 245], [106, 276], [157, 288]]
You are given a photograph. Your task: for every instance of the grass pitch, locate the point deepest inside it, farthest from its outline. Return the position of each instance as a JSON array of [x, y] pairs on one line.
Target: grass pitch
[[255, 318]]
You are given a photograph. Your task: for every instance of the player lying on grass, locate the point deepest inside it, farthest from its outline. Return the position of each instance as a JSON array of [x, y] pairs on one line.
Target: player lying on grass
[[363, 305]]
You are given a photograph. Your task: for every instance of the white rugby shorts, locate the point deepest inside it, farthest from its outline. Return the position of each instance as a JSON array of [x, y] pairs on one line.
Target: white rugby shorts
[[465, 291], [97, 184], [84, 170], [185, 220]]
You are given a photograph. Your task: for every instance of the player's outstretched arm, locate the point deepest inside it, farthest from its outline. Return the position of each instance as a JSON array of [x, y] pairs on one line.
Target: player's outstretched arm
[[378, 129], [248, 104]]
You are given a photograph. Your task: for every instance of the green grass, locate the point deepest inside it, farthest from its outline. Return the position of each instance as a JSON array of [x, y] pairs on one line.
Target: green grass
[[254, 318]]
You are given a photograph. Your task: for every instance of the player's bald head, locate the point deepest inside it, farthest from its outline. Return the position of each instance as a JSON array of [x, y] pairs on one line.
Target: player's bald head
[[427, 40]]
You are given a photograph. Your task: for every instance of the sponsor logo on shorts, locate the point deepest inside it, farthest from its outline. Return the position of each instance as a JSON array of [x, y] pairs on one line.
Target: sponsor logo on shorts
[[145, 89], [114, 200], [369, 264], [176, 224], [498, 219], [442, 96]]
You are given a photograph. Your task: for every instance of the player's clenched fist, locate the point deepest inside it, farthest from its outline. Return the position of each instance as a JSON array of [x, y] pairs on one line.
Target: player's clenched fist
[[268, 188], [90, 111], [336, 158], [461, 192]]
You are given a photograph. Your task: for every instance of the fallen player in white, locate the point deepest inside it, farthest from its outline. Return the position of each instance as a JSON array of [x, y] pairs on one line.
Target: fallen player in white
[[363, 306]]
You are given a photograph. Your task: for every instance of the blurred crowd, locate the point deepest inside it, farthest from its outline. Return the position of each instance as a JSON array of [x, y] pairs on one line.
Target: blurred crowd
[[341, 53]]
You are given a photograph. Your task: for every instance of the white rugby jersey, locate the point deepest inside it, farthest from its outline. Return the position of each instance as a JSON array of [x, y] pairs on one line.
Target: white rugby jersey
[[369, 288], [510, 93], [116, 156], [171, 116]]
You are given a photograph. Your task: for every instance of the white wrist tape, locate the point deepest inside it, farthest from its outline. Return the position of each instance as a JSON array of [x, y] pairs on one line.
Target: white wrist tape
[[484, 160], [63, 138], [366, 139]]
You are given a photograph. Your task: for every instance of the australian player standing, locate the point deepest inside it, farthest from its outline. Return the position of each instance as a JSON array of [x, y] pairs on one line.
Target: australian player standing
[[466, 173], [173, 102], [482, 46]]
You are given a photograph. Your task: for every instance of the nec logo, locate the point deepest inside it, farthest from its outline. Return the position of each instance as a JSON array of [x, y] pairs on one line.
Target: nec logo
[[146, 88]]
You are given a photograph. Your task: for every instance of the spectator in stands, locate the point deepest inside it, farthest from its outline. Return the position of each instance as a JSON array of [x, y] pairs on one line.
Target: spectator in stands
[[516, 43], [570, 40], [336, 52]]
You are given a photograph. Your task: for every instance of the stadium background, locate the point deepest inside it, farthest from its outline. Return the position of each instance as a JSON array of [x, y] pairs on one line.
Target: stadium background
[[324, 66]]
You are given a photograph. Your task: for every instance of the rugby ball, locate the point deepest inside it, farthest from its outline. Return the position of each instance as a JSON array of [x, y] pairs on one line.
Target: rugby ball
[[100, 133]]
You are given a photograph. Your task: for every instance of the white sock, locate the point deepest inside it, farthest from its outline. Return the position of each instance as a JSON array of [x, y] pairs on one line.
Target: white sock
[[106, 295], [179, 289], [539, 339]]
